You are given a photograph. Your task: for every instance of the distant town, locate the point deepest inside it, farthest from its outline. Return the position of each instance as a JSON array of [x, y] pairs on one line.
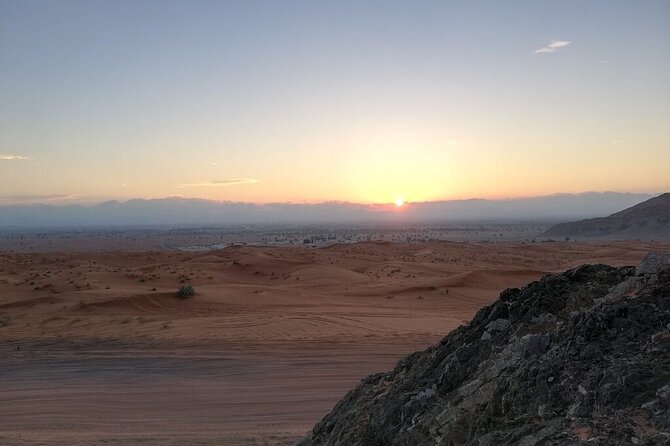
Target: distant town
[[208, 238]]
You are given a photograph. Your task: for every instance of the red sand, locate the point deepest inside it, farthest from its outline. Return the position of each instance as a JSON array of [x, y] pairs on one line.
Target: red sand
[[272, 339]]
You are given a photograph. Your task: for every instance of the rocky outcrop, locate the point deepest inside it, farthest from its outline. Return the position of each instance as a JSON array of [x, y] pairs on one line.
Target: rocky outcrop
[[649, 220], [581, 357]]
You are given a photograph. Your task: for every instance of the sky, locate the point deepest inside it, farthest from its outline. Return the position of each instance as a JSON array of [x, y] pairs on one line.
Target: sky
[[312, 101]]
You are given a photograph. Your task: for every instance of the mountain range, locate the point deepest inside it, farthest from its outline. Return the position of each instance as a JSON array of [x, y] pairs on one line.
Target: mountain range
[[190, 211], [649, 220]]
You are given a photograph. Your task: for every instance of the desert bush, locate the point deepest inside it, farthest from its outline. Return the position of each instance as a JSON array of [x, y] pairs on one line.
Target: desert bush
[[185, 292]]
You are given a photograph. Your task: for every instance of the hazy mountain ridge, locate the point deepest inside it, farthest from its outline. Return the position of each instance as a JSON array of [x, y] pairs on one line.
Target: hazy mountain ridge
[[649, 220], [191, 211]]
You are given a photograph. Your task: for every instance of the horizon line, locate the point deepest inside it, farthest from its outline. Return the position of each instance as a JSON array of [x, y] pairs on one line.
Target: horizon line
[[73, 199]]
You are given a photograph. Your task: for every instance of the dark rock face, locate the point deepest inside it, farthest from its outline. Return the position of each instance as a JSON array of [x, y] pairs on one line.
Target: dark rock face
[[581, 357], [649, 220]]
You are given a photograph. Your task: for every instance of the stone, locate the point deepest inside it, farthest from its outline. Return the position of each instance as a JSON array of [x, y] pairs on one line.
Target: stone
[[534, 384], [664, 392], [536, 344], [652, 263], [498, 325]]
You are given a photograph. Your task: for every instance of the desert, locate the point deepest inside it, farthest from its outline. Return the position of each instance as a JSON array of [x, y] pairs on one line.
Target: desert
[[334, 223], [97, 347]]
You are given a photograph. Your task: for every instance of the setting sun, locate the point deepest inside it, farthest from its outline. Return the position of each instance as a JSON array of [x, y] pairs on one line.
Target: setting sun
[[399, 201]]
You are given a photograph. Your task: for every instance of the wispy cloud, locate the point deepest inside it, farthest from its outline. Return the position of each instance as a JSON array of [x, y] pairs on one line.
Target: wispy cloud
[[220, 183], [554, 46], [37, 199], [14, 158], [214, 163]]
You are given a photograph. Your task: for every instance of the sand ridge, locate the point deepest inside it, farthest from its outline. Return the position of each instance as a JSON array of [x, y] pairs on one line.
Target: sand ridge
[[272, 339]]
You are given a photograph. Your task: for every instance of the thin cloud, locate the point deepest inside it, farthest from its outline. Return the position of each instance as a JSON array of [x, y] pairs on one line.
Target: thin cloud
[[220, 183], [215, 163], [35, 199], [15, 158], [554, 46]]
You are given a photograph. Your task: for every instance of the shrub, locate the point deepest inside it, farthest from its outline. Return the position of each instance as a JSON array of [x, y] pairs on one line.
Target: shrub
[[185, 292], [4, 321]]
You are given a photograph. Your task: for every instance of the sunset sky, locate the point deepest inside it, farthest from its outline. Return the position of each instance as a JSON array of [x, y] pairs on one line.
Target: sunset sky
[[362, 101]]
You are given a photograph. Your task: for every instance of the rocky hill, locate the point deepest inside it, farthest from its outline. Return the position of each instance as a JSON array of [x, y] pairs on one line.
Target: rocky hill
[[649, 220], [577, 358]]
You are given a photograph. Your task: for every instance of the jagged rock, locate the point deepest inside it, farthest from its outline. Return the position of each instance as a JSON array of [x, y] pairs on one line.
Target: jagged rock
[[652, 263], [565, 360], [498, 325]]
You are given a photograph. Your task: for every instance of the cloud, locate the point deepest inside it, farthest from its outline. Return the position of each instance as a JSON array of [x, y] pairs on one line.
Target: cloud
[[215, 163], [37, 199], [14, 158], [220, 183], [554, 46]]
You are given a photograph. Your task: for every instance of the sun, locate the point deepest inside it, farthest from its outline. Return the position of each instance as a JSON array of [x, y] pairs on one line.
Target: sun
[[399, 201]]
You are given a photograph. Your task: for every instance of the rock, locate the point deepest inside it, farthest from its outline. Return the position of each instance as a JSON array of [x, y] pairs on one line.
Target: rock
[[664, 392], [652, 263], [498, 325], [544, 318], [515, 377], [424, 394], [536, 344]]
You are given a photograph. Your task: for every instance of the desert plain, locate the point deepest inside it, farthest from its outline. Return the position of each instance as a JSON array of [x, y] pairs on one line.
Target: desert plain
[[96, 348]]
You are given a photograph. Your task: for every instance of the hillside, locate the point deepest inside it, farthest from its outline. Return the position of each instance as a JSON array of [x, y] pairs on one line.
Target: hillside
[[580, 357], [649, 220]]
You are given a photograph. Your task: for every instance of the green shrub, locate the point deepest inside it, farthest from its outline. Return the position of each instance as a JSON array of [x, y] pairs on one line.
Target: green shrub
[[185, 292]]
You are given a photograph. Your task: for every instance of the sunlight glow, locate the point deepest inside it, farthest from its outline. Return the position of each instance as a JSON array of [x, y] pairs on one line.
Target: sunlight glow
[[399, 201]]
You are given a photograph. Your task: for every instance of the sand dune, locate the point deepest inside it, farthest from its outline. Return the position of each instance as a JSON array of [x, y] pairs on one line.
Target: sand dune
[[97, 346]]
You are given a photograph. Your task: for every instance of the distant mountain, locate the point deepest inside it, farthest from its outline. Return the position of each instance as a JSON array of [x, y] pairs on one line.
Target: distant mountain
[[649, 220], [190, 211]]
